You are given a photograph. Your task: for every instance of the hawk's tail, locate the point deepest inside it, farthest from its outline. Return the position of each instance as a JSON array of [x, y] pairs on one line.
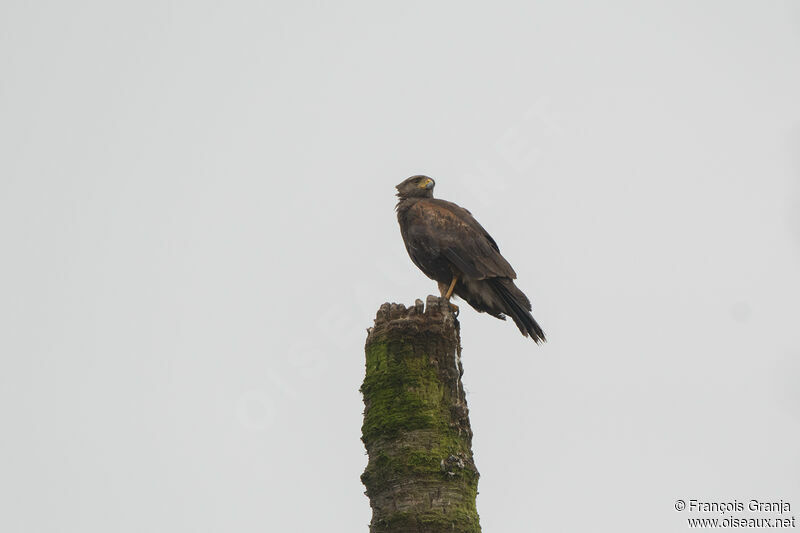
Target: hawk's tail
[[518, 307]]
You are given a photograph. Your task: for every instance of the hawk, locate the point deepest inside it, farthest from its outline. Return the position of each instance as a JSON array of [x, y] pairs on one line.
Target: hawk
[[453, 249]]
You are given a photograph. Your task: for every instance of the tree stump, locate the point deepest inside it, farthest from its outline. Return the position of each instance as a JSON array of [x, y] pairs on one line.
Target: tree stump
[[421, 476]]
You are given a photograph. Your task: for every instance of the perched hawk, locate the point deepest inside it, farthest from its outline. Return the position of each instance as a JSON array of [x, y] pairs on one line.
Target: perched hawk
[[450, 247]]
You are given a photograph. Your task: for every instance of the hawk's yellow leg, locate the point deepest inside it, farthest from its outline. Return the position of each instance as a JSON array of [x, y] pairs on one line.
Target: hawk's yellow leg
[[449, 293]]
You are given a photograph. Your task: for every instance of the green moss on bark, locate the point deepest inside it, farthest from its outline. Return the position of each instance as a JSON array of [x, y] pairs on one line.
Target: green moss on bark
[[403, 391]]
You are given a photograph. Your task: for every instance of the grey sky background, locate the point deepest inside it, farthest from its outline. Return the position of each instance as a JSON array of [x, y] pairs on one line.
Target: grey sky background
[[197, 227]]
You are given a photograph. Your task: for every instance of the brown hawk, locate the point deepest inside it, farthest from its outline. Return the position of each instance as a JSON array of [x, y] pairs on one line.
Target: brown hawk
[[450, 247]]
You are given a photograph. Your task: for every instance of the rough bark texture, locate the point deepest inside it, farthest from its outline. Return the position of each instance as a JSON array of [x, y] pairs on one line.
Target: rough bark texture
[[421, 476]]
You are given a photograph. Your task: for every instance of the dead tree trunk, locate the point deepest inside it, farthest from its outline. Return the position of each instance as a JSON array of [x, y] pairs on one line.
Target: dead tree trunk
[[421, 477]]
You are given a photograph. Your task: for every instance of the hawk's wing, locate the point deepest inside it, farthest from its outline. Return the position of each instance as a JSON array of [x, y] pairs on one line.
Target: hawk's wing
[[443, 229]]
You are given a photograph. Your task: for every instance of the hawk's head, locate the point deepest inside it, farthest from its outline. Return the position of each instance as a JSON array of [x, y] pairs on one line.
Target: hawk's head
[[416, 187]]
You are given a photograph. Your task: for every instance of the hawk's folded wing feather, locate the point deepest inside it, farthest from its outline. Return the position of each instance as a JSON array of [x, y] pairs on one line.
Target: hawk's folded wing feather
[[442, 228]]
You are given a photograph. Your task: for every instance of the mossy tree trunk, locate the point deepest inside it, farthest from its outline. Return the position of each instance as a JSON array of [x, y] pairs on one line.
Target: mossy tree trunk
[[420, 477]]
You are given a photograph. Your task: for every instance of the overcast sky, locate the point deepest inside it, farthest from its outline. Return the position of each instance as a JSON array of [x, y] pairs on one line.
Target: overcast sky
[[197, 227]]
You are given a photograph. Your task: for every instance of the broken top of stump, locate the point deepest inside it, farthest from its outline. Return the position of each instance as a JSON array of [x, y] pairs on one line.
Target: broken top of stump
[[435, 316]]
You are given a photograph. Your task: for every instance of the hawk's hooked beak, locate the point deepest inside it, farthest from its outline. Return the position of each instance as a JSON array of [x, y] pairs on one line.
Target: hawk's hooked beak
[[427, 183]]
